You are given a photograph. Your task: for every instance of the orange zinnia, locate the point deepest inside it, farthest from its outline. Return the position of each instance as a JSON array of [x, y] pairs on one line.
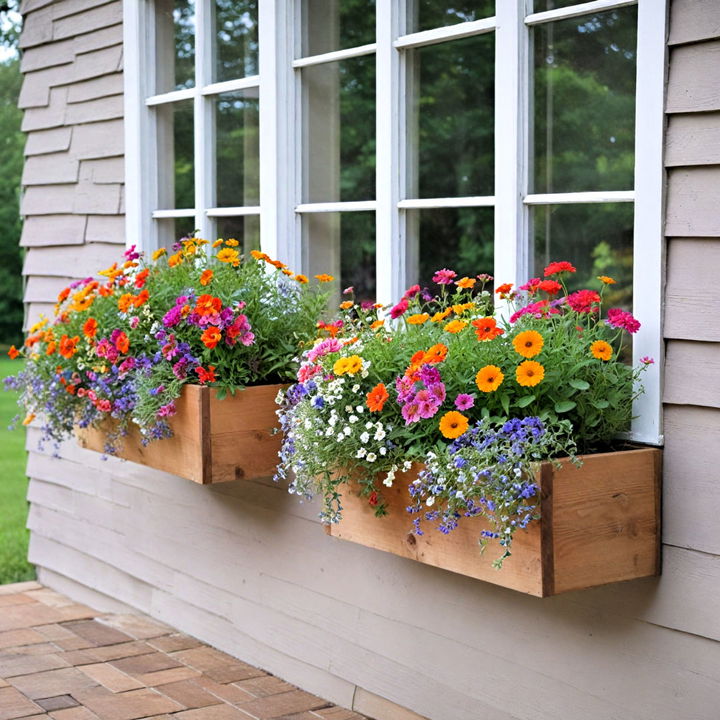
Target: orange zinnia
[[211, 337], [13, 352], [440, 316], [67, 346], [206, 277], [528, 343], [302, 279], [529, 373], [601, 350], [51, 348], [489, 378], [90, 328], [324, 277], [122, 342], [436, 354], [346, 305], [418, 319], [377, 324], [486, 329], [466, 283], [125, 302], [141, 298], [606, 280], [175, 259], [259, 255], [453, 424], [63, 294], [504, 290], [228, 255], [377, 398], [208, 305]]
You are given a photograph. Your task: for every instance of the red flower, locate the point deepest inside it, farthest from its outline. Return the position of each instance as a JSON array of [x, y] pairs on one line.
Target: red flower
[[377, 398], [551, 287], [373, 499], [211, 337], [582, 301], [486, 328], [141, 278], [558, 267], [13, 352], [503, 290], [122, 342], [206, 376]]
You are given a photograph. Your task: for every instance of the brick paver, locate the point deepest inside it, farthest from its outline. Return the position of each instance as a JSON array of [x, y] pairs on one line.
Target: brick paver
[[60, 660]]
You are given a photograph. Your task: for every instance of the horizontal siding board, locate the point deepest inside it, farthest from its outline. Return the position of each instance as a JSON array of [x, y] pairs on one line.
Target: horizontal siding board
[[52, 116], [80, 198], [104, 108], [96, 88], [44, 142], [106, 229], [44, 289], [44, 230], [694, 20], [62, 261], [87, 20], [692, 370], [693, 139], [693, 199], [692, 303], [64, 8], [37, 28], [98, 39], [47, 55], [55, 169], [691, 492], [98, 140], [693, 83], [35, 91], [96, 63]]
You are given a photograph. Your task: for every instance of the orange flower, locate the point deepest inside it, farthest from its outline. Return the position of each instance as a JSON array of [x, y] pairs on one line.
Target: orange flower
[[13, 352], [81, 302], [259, 255], [453, 424], [486, 329], [346, 305], [529, 373], [489, 378], [28, 418], [158, 254], [455, 326], [141, 298], [377, 324], [528, 343], [466, 283], [286, 271], [63, 295], [440, 316], [122, 342], [436, 354], [141, 278], [276, 263], [90, 328], [208, 305], [125, 302], [606, 280], [324, 277], [504, 290], [175, 259], [601, 350], [228, 255], [232, 242], [206, 277], [211, 337], [302, 279], [51, 348], [106, 290], [377, 398], [68, 346], [217, 243], [462, 307], [418, 319]]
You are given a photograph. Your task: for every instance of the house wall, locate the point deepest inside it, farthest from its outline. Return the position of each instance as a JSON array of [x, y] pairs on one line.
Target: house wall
[[247, 568]]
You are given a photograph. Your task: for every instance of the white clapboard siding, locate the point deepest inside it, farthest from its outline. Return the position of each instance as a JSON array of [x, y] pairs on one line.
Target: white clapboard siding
[[692, 370], [692, 302]]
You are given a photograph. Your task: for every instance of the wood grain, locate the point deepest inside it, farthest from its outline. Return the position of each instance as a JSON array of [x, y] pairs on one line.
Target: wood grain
[[213, 440], [600, 524]]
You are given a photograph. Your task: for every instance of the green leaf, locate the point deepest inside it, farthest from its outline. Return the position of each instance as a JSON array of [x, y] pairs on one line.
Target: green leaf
[[505, 402], [600, 404], [564, 406], [525, 401], [580, 384]]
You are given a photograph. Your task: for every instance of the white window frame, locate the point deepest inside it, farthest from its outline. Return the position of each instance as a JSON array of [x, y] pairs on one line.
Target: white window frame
[[281, 207]]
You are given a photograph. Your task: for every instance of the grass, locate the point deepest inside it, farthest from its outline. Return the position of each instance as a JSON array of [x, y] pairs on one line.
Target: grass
[[14, 566]]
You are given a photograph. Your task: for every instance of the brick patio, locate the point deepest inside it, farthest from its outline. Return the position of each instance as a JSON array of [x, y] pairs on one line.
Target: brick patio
[[65, 661]]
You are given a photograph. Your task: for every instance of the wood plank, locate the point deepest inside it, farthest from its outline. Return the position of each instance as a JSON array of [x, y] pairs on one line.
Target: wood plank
[[692, 303], [59, 260], [691, 373], [693, 139], [53, 230], [44, 142], [693, 86], [44, 289], [693, 20], [693, 197]]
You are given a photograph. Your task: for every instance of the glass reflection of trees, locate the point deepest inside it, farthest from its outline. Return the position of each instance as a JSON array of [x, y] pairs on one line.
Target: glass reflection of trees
[[236, 38]]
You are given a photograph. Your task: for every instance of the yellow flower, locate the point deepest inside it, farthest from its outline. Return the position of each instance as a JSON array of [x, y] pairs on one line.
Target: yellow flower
[[377, 324], [489, 378], [453, 424], [601, 350], [528, 343], [350, 365], [455, 326], [461, 308], [324, 277], [529, 373], [217, 243], [302, 279], [418, 319], [175, 259], [39, 325], [258, 255], [232, 242], [606, 280], [28, 419], [346, 305], [228, 255], [440, 316], [158, 254]]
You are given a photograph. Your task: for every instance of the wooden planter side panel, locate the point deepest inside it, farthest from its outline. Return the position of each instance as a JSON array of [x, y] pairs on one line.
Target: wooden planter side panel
[[182, 454], [606, 520], [243, 444]]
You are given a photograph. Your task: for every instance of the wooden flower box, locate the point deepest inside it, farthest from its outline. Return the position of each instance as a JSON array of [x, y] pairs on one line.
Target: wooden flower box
[[600, 524], [213, 440]]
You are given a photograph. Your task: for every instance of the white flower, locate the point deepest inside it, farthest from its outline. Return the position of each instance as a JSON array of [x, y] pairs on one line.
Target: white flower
[[430, 501], [360, 409], [371, 457], [364, 374], [348, 408], [307, 424], [460, 495], [361, 453], [347, 431], [353, 419], [356, 387], [388, 481], [383, 451], [364, 438], [407, 465], [328, 432], [379, 434], [368, 426]]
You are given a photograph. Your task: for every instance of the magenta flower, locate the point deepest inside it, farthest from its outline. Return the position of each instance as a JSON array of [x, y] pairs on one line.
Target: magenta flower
[[531, 286], [437, 392], [411, 413], [444, 276], [399, 309], [583, 301], [622, 319], [464, 401], [411, 292], [647, 360], [323, 348]]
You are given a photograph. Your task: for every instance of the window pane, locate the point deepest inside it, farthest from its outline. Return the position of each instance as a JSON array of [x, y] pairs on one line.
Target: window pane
[[428, 14], [175, 48], [170, 230], [342, 244], [330, 25], [236, 38], [451, 118], [543, 5], [585, 102], [597, 239], [176, 162], [460, 239], [246, 230], [237, 151], [339, 122]]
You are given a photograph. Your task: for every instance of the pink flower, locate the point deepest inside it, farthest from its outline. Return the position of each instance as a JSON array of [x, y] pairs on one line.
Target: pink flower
[[405, 389], [399, 309], [167, 410], [484, 277], [622, 319], [348, 290], [307, 371], [536, 309], [411, 413], [464, 401], [437, 392], [104, 406], [531, 286], [134, 321], [411, 292], [582, 301], [647, 360], [444, 276], [323, 348]]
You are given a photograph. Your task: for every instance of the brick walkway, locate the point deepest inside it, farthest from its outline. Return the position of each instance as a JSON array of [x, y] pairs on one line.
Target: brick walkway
[[65, 661]]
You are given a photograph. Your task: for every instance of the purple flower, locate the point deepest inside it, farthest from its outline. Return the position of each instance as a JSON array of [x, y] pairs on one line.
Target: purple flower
[[464, 401]]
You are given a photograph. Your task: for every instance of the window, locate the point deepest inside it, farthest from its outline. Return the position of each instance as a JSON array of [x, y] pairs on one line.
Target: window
[[378, 142]]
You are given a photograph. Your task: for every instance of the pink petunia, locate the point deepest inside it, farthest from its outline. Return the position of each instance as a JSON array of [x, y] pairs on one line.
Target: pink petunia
[[464, 401], [647, 360]]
